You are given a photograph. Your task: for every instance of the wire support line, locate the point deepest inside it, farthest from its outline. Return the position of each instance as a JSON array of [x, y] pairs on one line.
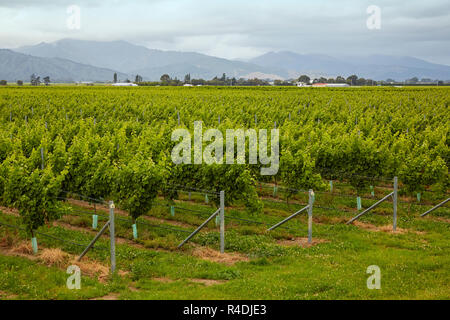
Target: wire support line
[[52, 237]]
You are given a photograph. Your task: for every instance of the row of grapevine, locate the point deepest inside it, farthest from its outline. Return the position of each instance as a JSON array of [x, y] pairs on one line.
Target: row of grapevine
[[115, 142]]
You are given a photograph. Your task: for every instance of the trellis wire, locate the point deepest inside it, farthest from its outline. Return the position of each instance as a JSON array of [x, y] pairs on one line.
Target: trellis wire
[[103, 216], [188, 188], [51, 236]]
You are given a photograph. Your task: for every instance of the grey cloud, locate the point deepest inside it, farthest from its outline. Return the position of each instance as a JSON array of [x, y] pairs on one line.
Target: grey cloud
[[62, 3], [408, 27]]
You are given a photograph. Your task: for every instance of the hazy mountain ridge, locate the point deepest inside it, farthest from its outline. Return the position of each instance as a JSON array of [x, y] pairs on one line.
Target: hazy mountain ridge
[[129, 60], [376, 67], [149, 63], [17, 66]]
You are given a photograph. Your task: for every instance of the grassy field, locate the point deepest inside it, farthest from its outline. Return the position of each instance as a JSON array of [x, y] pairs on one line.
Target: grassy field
[[414, 261]]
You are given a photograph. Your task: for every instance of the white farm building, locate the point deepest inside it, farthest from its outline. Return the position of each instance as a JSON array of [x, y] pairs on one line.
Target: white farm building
[[124, 84]]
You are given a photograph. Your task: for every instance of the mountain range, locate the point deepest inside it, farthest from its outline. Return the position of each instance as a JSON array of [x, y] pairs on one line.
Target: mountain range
[[79, 60], [376, 67], [17, 66], [149, 63]]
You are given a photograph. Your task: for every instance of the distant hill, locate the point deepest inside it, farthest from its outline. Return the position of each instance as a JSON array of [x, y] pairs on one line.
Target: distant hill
[[17, 66], [129, 59], [149, 63], [303, 63], [377, 67]]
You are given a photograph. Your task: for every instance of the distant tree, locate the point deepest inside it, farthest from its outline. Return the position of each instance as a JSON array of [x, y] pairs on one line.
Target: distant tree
[[224, 77], [352, 80], [138, 79], [197, 82], [47, 80], [3, 82], [390, 80], [340, 79], [361, 82], [413, 80], [251, 82], [278, 82], [187, 78], [115, 77], [127, 81], [322, 80], [304, 78], [35, 80], [165, 78], [19, 82], [331, 80], [215, 82]]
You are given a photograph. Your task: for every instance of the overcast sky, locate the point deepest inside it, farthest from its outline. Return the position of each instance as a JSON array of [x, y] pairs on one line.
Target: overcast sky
[[239, 29]]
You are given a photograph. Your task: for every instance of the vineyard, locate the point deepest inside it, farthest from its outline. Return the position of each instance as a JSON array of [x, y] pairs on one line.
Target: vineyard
[[65, 152]]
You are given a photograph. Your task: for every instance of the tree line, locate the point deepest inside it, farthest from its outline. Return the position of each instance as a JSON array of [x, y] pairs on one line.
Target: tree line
[[167, 80]]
